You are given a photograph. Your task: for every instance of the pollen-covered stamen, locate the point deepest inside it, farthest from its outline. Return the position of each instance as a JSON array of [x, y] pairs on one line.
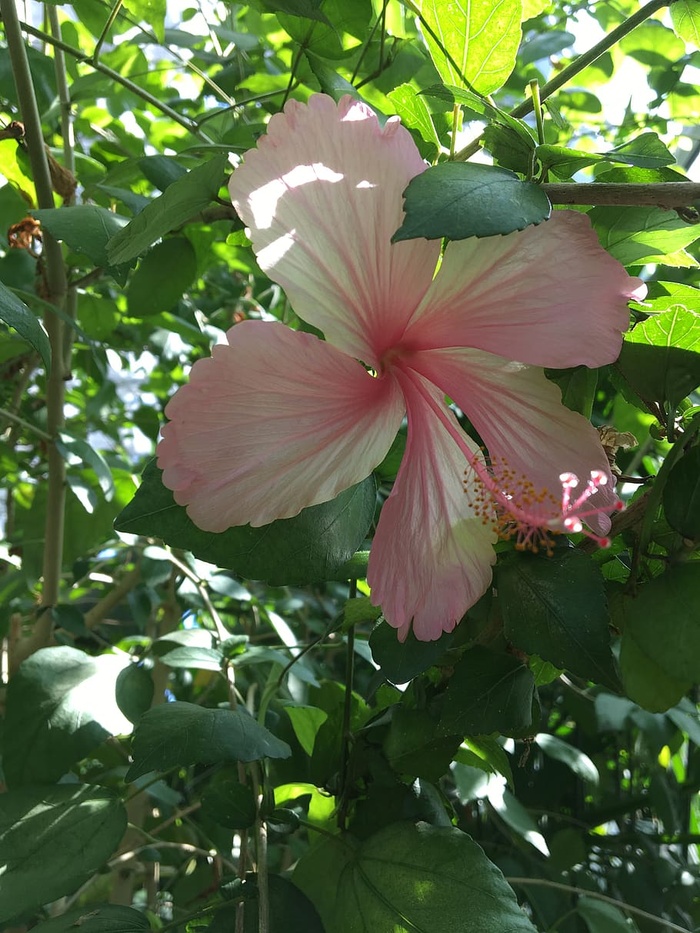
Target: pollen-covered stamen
[[533, 517], [511, 503]]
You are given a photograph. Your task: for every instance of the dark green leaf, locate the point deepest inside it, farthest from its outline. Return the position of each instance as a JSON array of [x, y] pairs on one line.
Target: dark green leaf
[[604, 917], [162, 277], [681, 495], [488, 692], [660, 358], [229, 803], [97, 918], [573, 758], [43, 72], [663, 622], [87, 229], [462, 44], [401, 661], [161, 170], [185, 734], [289, 910], [328, 39], [411, 746], [460, 199], [308, 548], [179, 203], [60, 706], [83, 824], [555, 607], [406, 879], [18, 316]]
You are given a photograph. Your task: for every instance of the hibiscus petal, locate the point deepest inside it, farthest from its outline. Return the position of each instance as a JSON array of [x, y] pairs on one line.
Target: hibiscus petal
[[520, 417], [431, 555], [322, 197], [273, 422], [549, 296]]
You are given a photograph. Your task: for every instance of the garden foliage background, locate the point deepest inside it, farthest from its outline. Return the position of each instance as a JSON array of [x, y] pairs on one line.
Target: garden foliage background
[[218, 730]]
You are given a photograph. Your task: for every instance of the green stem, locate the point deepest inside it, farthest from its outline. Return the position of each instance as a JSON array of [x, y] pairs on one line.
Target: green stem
[[622, 905], [578, 65], [537, 105], [261, 852], [15, 419], [113, 13], [55, 285], [347, 713], [79, 56]]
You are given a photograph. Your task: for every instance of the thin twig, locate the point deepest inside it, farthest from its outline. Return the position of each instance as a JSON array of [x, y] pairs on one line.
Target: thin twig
[[667, 194]]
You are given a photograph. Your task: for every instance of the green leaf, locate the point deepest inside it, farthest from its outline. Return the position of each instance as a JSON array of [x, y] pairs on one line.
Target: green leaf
[[306, 721], [87, 229], [463, 199], [473, 43], [414, 113], [229, 803], [411, 746], [308, 548], [645, 151], [161, 170], [82, 824], [309, 9], [60, 706], [634, 235], [97, 918], [162, 277], [685, 16], [603, 917], [555, 607], [573, 758], [681, 496], [329, 38], [663, 622], [184, 734], [488, 692], [407, 878], [18, 316], [645, 681], [179, 203], [75, 446], [660, 358], [402, 661], [509, 148], [565, 162], [514, 815], [151, 12]]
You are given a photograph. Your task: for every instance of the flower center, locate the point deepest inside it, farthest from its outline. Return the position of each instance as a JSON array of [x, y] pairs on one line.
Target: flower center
[[517, 509]]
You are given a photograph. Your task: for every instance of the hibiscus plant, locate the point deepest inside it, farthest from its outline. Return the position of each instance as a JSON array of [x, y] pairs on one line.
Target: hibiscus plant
[[350, 375]]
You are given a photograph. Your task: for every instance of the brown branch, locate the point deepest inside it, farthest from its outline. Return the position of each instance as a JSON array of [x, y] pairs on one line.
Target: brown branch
[[667, 195]]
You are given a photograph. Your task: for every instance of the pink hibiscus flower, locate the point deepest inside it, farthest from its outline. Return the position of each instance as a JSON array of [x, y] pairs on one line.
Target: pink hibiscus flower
[[278, 420]]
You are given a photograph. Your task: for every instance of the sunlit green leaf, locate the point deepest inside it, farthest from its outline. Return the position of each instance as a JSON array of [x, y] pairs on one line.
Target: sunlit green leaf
[[60, 706], [473, 43], [685, 16]]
